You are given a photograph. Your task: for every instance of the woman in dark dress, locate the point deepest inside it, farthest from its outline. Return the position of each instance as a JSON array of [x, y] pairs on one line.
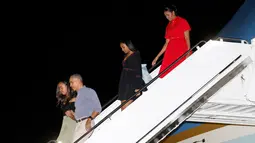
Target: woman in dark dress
[[131, 76], [66, 99]]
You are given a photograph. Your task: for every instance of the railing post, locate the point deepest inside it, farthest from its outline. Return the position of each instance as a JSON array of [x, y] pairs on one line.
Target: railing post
[[253, 49]]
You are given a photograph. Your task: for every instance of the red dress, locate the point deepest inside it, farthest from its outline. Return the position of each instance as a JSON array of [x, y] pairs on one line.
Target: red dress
[[177, 44]]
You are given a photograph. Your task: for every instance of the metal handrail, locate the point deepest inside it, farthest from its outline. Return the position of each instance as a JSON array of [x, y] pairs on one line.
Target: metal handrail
[[110, 101], [140, 90], [232, 39]]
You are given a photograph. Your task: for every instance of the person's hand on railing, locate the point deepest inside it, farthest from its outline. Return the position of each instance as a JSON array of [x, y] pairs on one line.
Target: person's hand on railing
[[138, 93], [88, 124], [190, 53], [154, 61]]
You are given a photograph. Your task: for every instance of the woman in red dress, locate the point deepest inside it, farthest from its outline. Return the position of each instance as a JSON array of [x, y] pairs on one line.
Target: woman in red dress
[[177, 40]]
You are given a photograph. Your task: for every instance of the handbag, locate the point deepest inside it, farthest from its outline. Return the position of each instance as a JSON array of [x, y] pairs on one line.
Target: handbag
[[145, 74]]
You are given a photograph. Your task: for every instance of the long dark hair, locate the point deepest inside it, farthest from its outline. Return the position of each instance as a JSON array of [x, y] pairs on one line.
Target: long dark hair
[[129, 44], [63, 99]]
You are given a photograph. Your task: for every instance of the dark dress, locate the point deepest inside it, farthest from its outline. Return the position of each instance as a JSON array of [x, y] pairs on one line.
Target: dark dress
[[68, 106], [131, 76]]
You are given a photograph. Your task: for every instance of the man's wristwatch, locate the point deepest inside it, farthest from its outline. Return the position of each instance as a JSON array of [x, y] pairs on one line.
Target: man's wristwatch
[[91, 117]]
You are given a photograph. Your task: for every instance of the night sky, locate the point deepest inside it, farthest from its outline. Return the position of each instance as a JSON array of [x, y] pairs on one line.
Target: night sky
[[90, 47]]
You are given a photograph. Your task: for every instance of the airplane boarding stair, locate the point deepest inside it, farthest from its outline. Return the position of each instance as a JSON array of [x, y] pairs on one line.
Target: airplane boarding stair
[[233, 103], [176, 97]]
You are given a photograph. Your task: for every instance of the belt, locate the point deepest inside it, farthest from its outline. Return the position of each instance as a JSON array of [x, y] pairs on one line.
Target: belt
[[175, 38], [82, 119], [128, 69]]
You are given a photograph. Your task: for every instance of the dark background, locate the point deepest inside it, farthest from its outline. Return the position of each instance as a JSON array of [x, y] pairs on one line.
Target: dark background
[[90, 47]]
